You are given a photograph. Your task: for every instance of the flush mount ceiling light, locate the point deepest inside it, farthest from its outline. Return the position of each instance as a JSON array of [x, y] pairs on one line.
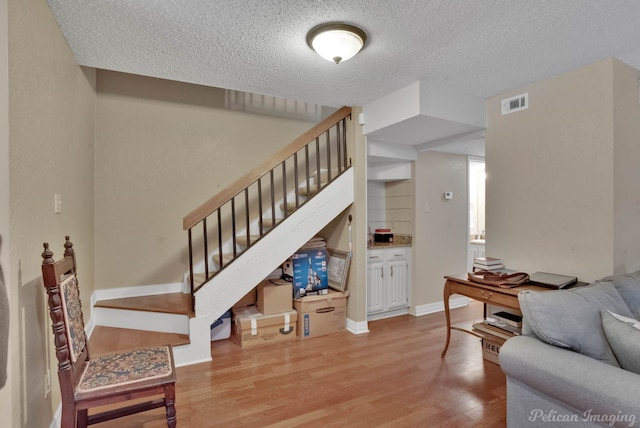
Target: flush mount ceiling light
[[336, 41]]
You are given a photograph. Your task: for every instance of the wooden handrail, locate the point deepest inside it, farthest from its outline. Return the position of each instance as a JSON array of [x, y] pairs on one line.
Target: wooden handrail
[[215, 202]]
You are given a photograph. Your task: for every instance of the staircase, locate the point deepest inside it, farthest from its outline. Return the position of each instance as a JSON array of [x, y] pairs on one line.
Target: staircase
[[242, 235]]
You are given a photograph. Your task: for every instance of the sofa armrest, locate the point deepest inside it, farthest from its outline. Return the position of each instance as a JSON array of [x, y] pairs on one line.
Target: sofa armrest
[[578, 381]]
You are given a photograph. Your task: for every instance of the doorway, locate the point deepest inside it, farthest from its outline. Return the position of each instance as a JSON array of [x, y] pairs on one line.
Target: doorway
[[477, 231]]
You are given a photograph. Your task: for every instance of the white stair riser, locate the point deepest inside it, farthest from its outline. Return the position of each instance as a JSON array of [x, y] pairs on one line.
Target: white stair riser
[[141, 320], [199, 350]]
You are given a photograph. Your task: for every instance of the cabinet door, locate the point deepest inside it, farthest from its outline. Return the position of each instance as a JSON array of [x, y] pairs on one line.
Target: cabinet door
[[397, 285], [375, 286]]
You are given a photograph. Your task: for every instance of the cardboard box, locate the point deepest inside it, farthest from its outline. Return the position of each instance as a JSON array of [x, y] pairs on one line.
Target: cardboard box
[[491, 350], [252, 328], [309, 272], [274, 296], [248, 299], [321, 315]]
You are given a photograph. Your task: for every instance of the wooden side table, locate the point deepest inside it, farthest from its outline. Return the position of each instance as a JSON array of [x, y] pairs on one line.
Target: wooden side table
[[506, 297]]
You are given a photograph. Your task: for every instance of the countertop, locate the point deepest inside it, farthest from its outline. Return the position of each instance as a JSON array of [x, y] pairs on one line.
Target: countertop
[[398, 241]]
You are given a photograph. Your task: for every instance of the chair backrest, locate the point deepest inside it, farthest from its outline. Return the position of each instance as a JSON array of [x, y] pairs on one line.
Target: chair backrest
[[61, 283]]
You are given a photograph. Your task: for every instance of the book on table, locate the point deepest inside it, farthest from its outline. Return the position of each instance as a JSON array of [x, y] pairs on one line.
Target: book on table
[[551, 280], [496, 267], [487, 261], [505, 327], [508, 318], [485, 327]]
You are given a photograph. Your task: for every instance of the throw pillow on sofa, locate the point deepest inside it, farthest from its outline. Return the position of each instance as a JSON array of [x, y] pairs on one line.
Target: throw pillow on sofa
[[571, 318], [628, 285], [623, 335]]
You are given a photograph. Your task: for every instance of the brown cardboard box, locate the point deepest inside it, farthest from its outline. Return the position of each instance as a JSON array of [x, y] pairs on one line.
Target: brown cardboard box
[[491, 350], [253, 328], [248, 299], [274, 296], [321, 315]]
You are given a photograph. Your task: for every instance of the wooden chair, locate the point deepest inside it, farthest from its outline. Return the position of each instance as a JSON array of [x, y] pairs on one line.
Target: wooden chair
[[88, 382]]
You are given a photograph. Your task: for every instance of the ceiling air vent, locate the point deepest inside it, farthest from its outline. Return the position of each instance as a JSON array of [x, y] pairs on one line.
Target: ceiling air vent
[[517, 103]]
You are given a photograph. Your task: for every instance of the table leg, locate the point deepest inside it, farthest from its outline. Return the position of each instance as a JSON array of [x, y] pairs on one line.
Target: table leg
[[447, 293]]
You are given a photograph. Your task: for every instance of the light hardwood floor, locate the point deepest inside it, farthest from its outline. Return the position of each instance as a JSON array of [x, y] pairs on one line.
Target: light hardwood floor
[[391, 377]]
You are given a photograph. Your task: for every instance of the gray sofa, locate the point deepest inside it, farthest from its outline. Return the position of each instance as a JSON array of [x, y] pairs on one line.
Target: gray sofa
[[576, 363]]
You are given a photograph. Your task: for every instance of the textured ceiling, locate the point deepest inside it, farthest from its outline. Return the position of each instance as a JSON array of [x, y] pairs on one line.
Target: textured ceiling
[[478, 47]]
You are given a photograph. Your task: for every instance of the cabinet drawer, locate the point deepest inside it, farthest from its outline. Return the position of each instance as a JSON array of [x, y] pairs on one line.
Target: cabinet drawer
[[489, 296], [375, 256], [396, 254]]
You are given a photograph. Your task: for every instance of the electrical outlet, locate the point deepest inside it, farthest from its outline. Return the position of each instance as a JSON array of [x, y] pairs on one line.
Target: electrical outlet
[[47, 383]]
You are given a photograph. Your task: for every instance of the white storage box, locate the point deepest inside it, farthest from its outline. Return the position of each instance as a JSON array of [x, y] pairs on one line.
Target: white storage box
[[221, 329]]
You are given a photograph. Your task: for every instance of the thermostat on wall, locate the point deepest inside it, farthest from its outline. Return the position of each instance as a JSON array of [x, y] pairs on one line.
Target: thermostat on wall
[[448, 195]]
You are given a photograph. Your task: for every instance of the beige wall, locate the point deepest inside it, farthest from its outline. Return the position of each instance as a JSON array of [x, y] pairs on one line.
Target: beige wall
[[51, 122], [162, 149], [554, 170], [391, 205], [626, 172], [399, 197], [8, 318], [440, 238]]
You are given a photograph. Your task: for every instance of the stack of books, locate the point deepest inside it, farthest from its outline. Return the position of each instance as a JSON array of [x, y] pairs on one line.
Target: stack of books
[[503, 325], [508, 319], [487, 263]]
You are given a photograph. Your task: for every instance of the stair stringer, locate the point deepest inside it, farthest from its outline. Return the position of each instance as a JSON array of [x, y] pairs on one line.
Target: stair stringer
[[261, 259]]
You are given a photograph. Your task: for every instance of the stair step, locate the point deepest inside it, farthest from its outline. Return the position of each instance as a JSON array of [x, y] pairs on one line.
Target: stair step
[[242, 239], [170, 303], [199, 277], [313, 189], [291, 207], [226, 258], [110, 339], [324, 176]]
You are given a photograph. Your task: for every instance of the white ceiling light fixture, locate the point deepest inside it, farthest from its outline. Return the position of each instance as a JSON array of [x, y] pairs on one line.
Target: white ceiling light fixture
[[336, 41]]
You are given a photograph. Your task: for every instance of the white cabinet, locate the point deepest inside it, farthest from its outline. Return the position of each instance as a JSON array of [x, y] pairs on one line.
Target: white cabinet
[[375, 283], [388, 281]]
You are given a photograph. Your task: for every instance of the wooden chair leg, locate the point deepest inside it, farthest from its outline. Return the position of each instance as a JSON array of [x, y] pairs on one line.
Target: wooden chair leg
[[169, 402], [83, 418], [69, 417]]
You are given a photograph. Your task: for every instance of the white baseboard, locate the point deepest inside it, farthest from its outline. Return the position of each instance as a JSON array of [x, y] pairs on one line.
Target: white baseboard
[[430, 308], [57, 418], [89, 326], [357, 327], [388, 314]]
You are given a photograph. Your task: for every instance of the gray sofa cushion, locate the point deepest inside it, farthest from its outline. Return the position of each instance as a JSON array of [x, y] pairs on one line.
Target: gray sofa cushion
[[628, 285], [624, 338], [571, 318]]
